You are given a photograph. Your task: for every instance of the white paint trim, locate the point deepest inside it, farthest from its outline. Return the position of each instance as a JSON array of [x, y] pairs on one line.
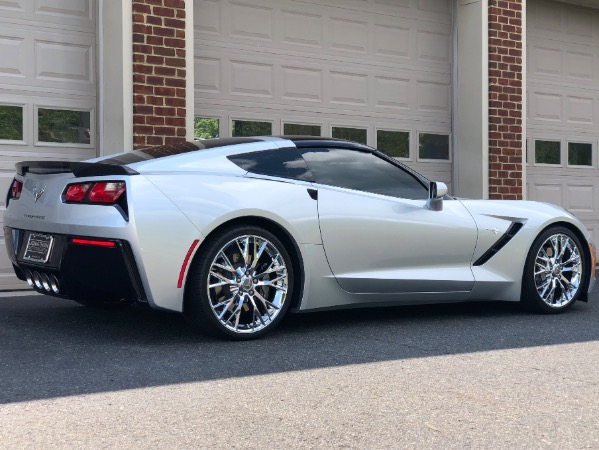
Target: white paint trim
[[455, 175], [189, 71], [524, 97], [485, 98], [116, 77], [100, 70], [128, 74], [471, 102]]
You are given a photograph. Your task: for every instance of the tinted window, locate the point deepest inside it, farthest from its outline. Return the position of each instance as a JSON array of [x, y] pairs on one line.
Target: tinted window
[[433, 146], [282, 162], [362, 171], [351, 134], [580, 154], [245, 128], [64, 126], [548, 152], [393, 143], [11, 123], [206, 127]]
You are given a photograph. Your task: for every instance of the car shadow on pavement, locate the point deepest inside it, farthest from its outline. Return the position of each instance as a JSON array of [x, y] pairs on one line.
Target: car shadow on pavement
[[52, 348]]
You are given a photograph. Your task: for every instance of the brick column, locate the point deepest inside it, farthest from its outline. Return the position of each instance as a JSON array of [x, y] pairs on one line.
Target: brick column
[[506, 162], [159, 70]]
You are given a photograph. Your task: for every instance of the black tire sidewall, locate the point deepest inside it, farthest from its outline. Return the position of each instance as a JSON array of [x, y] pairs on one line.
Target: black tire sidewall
[[197, 308], [530, 296]]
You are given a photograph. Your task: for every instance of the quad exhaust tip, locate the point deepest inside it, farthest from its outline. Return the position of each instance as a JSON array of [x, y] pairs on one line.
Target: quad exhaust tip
[[42, 281]]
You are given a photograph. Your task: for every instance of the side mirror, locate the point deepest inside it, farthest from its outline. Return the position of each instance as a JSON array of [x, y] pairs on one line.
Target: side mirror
[[436, 191]]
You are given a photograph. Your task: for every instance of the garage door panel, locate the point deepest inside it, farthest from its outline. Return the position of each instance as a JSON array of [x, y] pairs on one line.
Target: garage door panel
[[79, 15], [580, 110], [561, 62], [47, 59], [235, 76], [303, 84], [326, 30], [580, 199], [47, 71]]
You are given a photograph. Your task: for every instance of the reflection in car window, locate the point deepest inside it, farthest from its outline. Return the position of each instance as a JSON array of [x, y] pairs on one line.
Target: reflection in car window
[[362, 171], [281, 162]]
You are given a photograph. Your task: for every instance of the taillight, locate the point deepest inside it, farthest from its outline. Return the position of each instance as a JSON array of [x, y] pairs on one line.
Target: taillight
[[105, 192], [76, 192], [15, 189], [108, 192]]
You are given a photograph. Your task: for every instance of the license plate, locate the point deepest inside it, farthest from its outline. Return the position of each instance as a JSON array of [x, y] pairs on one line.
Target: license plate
[[38, 248]]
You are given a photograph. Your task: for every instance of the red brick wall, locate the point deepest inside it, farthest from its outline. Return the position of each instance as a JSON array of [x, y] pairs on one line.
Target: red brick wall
[[158, 72], [505, 100]]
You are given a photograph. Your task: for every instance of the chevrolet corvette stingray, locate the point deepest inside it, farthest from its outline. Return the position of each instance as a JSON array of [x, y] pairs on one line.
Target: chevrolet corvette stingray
[[236, 232]]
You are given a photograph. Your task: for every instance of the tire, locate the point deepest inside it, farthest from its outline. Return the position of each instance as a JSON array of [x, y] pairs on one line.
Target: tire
[[241, 284], [555, 272]]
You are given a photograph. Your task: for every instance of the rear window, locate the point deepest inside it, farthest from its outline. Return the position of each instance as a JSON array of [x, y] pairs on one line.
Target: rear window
[[281, 162]]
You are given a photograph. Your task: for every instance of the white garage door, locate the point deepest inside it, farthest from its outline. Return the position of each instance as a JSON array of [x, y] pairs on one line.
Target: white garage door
[[47, 88], [375, 71], [563, 108]]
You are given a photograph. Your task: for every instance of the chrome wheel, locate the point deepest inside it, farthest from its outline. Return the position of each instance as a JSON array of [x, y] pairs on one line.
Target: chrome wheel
[[247, 284], [558, 270]]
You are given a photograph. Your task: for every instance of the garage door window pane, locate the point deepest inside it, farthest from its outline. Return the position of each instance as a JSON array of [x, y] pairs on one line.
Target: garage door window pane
[[580, 154], [296, 129], [206, 128], [63, 126], [433, 146], [244, 128], [351, 134], [548, 152], [393, 143], [11, 123]]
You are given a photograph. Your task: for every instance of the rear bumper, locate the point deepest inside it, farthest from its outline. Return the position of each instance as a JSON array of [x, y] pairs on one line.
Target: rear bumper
[[79, 271]]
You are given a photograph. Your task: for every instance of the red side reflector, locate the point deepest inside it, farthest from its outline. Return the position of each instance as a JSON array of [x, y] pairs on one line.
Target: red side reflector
[[93, 242], [185, 262]]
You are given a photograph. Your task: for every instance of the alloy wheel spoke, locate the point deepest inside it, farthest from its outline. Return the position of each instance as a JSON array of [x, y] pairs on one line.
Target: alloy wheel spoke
[[233, 284], [266, 302], [257, 254], [221, 278], [257, 311]]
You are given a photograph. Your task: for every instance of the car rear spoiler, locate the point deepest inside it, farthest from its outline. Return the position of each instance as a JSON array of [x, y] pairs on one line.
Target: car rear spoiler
[[79, 169]]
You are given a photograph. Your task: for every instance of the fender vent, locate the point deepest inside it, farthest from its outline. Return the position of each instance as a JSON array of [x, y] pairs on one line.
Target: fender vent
[[502, 241]]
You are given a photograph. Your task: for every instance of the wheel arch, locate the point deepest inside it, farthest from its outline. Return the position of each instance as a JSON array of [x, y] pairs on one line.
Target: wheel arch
[[585, 249], [280, 232]]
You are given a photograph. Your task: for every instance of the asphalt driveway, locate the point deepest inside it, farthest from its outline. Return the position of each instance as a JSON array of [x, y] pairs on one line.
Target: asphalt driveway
[[451, 376]]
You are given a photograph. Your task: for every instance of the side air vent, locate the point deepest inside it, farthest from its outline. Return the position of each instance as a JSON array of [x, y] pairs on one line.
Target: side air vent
[[503, 240]]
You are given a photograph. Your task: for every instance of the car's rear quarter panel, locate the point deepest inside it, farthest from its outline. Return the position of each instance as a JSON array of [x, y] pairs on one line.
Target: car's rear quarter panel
[[210, 201]]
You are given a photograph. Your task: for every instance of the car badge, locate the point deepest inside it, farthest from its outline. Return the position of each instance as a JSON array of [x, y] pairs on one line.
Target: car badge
[[37, 194], [494, 230]]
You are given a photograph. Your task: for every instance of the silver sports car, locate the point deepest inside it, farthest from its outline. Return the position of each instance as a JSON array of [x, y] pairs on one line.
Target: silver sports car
[[236, 232]]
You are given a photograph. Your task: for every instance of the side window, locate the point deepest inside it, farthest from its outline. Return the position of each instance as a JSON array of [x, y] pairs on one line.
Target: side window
[[281, 162], [362, 171]]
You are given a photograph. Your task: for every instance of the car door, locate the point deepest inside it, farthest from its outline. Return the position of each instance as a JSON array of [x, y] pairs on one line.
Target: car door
[[378, 235]]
